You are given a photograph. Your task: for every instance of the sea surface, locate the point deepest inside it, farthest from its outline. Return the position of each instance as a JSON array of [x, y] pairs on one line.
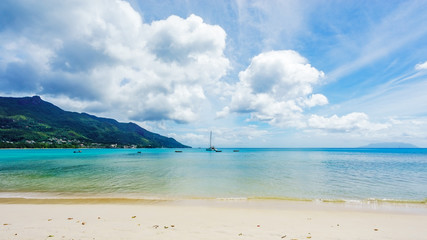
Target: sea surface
[[300, 174]]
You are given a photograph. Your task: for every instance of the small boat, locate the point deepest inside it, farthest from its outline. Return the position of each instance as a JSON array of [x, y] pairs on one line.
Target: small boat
[[235, 150], [211, 148], [178, 151], [77, 151]]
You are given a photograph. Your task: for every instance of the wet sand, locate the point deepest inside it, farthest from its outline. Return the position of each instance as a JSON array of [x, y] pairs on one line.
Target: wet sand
[[65, 219]]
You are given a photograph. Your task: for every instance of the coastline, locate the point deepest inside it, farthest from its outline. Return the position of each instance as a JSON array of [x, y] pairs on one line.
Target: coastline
[[207, 219], [137, 198], [53, 197]]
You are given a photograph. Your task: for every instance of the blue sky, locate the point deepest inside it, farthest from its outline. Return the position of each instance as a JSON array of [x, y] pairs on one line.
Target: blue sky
[[257, 73]]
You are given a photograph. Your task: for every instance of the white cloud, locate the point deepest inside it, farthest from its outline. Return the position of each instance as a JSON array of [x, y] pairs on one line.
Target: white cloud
[[337, 131], [223, 113], [355, 121], [316, 100], [102, 54], [275, 88], [412, 130], [242, 136], [421, 66]]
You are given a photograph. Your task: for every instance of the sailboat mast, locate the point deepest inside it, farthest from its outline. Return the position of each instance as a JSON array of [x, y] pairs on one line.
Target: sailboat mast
[[210, 140]]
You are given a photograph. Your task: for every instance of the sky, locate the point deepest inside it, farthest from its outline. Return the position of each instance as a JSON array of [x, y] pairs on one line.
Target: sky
[[256, 73]]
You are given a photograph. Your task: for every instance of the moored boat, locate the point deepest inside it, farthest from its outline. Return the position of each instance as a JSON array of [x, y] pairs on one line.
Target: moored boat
[[211, 148]]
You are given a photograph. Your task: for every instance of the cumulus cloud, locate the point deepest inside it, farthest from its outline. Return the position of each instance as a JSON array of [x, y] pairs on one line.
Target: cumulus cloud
[[351, 122], [421, 66], [103, 55], [315, 100], [276, 87]]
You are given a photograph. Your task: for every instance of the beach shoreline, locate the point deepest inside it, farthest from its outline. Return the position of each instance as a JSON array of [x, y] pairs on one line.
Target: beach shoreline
[[260, 201], [208, 219]]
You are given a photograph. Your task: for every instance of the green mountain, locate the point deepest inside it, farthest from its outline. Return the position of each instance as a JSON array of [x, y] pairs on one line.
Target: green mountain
[[32, 122]]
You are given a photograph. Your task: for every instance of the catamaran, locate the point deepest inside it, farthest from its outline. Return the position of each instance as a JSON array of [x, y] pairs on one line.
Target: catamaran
[[211, 148]]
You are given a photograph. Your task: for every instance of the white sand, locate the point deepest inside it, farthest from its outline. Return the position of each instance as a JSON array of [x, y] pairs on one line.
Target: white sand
[[196, 220]]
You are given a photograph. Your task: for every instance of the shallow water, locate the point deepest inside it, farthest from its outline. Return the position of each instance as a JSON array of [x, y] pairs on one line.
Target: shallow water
[[334, 174]]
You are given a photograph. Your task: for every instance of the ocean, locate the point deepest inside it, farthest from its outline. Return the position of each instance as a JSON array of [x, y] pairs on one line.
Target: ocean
[[395, 175]]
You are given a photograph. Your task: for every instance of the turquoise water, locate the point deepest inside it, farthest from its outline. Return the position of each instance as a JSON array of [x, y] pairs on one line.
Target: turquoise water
[[336, 174]]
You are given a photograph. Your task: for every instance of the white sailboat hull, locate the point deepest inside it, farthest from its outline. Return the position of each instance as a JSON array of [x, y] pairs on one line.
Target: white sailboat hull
[[211, 148]]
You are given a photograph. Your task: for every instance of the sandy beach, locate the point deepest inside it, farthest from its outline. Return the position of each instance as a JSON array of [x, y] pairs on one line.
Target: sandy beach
[[32, 219]]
